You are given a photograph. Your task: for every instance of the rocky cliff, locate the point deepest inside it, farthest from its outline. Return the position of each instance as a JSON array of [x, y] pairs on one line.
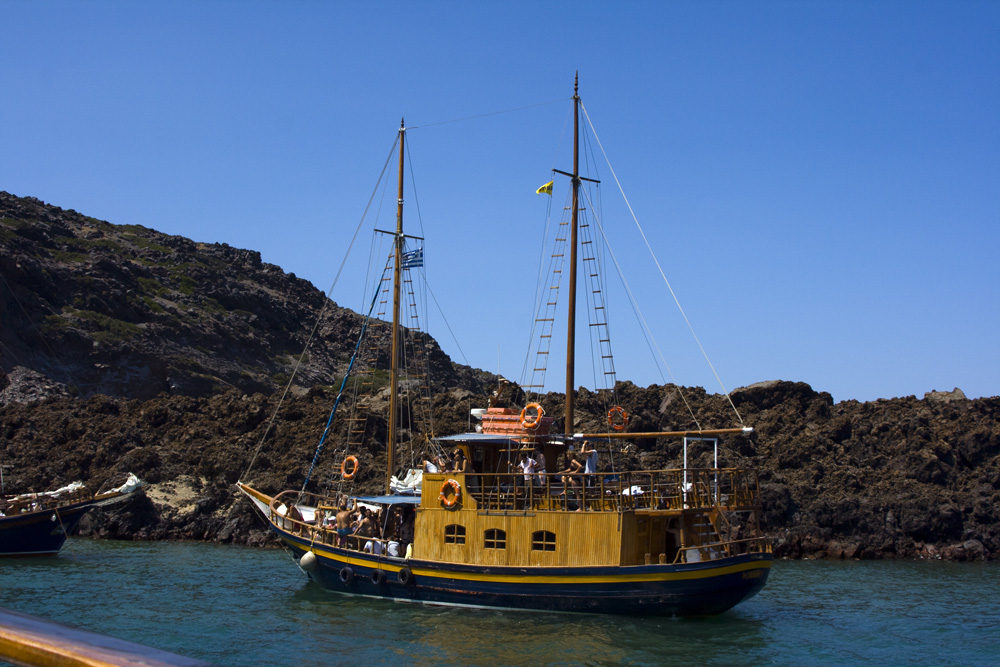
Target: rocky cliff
[[126, 311], [128, 350]]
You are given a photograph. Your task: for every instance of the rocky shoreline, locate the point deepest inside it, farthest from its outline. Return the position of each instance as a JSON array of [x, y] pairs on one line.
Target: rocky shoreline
[[123, 349], [903, 478]]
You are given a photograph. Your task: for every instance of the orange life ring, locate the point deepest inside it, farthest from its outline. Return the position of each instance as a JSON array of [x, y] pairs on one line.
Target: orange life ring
[[456, 493], [353, 460], [617, 410], [532, 423]]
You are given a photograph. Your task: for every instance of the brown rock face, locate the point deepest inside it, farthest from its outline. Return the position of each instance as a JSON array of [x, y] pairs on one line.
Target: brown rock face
[[128, 350]]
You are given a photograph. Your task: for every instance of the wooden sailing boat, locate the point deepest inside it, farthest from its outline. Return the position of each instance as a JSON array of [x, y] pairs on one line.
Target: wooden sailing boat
[[37, 524], [677, 541]]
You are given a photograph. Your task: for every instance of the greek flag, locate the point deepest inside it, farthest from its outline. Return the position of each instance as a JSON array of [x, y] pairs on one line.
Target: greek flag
[[413, 259]]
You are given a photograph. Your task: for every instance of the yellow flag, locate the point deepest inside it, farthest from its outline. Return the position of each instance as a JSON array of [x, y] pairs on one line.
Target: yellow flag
[[545, 189]]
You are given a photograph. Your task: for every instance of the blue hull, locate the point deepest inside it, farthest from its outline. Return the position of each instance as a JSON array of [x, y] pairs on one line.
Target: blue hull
[[691, 589], [39, 533]]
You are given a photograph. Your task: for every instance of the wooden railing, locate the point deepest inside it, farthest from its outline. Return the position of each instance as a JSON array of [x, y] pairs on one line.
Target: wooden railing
[[728, 489], [37, 642], [41, 501]]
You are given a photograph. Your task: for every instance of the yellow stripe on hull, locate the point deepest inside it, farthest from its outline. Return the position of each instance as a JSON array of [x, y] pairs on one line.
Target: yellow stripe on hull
[[527, 578]]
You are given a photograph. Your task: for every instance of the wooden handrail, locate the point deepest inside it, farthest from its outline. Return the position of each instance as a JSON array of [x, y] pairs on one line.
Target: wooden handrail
[[36, 642]]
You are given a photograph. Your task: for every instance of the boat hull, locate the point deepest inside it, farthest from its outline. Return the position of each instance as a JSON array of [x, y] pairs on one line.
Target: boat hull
[[691, 589], [40, 533]]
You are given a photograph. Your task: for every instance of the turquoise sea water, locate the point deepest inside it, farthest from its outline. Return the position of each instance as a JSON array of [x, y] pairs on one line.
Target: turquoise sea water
[[242, 606]]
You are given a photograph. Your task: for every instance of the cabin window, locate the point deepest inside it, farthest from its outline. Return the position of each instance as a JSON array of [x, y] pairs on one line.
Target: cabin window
[[454, 534], [543, 540], [495, 539]]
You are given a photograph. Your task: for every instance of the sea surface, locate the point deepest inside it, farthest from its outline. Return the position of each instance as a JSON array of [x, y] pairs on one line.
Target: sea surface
[[242, 606]]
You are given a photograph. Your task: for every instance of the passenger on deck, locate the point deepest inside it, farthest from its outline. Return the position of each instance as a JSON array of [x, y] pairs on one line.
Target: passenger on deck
[[392, 547], [539, 457], [589, 456], [343, 520], [374, 546], [574, 468], [529, 467], [406, 530], [366, 526], [459, 462], [434, 464]]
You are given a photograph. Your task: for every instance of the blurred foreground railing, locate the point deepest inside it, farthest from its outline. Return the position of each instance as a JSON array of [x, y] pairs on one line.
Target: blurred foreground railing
[[36, 642]]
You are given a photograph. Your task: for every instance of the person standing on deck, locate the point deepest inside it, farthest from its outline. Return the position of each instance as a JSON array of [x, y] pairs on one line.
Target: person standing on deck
[[589, 456], [529, 467], [539, 466]]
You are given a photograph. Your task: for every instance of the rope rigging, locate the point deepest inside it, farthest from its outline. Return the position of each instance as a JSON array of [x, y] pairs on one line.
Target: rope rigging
[[319, 317], [659, 267], [340, 393]]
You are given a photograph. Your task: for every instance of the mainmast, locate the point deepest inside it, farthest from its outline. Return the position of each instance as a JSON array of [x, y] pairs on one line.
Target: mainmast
[[571, 316], [394, 359]]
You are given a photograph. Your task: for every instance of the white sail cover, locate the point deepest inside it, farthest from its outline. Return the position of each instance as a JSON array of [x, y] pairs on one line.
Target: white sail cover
[[412, 483], [69, 488], [130, 485]]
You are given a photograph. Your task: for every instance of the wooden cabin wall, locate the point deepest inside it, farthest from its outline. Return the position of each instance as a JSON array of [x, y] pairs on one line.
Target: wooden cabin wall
[[581, 538], [629, 548]]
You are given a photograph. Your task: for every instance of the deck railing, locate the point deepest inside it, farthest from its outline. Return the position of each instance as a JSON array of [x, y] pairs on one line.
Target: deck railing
[[41, 501], [727, 489]]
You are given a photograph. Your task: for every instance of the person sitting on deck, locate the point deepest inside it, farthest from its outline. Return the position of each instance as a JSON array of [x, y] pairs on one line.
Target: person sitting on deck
[[434, 464], [460, 463], [573, 470], [365, 527], [373, 547]]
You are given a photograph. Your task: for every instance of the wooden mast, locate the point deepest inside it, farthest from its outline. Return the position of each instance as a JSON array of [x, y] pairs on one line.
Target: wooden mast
[[394, 360], [571, 315]]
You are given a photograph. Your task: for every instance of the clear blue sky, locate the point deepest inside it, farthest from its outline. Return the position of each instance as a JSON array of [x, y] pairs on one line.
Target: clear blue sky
[[820, 180]]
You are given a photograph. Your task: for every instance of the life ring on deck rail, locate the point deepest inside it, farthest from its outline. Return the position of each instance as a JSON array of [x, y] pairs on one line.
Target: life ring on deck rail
[[353, 460], [527, 422], [622, 415], [456, 493]]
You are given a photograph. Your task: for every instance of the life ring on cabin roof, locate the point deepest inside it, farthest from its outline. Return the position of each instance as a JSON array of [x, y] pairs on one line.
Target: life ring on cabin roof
[[526, 421], [618, 411], [456, 493], [353, 460]]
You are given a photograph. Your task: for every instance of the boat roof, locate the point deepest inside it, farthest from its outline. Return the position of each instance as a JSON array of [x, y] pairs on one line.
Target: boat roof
[[389, 500], [487, 439]]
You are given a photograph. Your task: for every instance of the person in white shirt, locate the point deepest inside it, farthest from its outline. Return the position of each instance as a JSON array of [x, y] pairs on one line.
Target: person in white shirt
[[589, 455], [528, 466], [433, 465]]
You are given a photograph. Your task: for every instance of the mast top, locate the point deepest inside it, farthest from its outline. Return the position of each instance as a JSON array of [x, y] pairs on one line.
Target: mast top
[[576, 84]]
